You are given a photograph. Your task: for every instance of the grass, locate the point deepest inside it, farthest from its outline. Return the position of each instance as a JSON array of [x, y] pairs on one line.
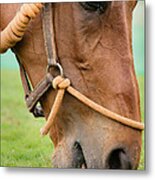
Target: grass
[[21, 144]]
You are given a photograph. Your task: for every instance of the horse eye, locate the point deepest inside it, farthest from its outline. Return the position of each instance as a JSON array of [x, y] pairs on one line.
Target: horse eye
[[95, 6]]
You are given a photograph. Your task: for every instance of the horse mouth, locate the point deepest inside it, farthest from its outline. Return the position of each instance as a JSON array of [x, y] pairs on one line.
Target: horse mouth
[[78, 157]]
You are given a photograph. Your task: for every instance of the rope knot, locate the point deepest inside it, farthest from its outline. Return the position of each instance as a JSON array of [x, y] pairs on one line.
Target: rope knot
[[60, 83]]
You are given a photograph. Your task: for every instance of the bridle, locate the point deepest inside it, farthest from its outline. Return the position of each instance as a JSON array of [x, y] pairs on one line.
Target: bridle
[[14, 32]]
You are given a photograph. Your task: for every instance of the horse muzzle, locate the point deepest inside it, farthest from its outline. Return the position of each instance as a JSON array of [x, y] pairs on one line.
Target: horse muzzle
[[117, 159], [78, 157]]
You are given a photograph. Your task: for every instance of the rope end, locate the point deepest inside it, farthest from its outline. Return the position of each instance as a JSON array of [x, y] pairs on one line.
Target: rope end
[[43, 132]]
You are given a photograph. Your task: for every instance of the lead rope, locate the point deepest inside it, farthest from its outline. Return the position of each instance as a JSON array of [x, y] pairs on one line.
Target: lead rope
[[63, 84], [15, 30]]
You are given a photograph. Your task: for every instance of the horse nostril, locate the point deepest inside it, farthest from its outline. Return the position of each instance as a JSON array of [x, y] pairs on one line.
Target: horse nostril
[[118, 159], [78, 156]]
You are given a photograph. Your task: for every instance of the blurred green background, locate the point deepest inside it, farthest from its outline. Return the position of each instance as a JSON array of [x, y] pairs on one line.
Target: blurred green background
[[21, 144]]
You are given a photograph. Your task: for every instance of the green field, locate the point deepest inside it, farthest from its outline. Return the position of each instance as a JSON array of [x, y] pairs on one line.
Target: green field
[[21, 144]]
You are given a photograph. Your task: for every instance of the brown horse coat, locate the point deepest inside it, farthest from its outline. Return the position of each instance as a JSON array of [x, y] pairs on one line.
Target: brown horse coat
[[95, 51]]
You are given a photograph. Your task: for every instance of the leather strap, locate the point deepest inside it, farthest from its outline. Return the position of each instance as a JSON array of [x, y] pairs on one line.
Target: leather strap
[[48, 31], [32, 97]]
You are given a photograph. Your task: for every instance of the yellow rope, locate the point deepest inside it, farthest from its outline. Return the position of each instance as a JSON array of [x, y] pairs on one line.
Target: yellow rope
[[61, 83], [15, 30]]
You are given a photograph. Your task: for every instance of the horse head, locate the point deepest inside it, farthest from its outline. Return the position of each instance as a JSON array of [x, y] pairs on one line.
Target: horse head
[[94, 47]]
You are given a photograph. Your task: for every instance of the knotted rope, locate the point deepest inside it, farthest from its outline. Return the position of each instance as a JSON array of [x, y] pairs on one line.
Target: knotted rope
[[15, 30], [63, 84]]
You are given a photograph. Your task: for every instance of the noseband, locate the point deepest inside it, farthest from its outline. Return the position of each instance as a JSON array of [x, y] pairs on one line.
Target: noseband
[[14, 33]]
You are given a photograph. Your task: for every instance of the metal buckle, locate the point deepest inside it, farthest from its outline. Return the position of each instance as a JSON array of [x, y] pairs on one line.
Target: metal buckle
[[57, 66]]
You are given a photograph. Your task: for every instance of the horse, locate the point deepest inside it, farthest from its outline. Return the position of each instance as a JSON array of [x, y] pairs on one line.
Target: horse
[[94, 48]]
